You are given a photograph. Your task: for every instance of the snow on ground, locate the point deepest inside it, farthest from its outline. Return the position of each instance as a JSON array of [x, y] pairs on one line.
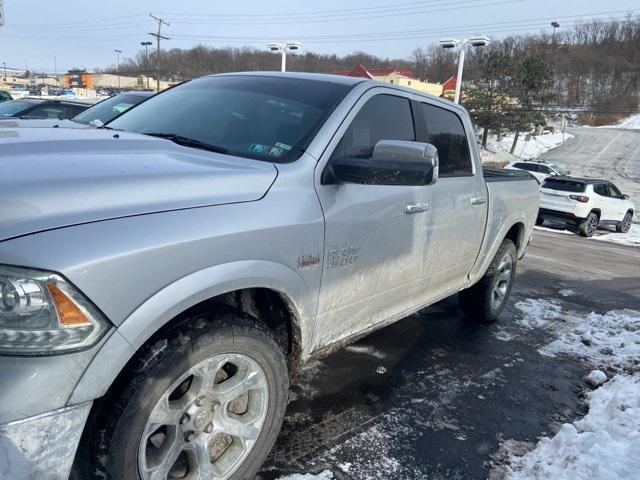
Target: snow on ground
[[530, 146], [605, 444], [326, 475], [631, 123], [631, 238], [610, 339]]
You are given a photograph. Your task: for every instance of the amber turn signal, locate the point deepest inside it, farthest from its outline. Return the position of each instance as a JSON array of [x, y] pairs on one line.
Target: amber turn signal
[[69, 315]]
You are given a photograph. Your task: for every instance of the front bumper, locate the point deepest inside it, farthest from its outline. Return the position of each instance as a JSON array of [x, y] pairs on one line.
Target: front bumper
[[42, 447]]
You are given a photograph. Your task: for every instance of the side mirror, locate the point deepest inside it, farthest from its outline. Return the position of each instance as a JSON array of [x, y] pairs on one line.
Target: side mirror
[[394, 162], [625, 197]]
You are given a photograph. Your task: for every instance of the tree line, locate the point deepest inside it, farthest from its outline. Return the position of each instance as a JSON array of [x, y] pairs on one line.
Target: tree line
[[592, 69]]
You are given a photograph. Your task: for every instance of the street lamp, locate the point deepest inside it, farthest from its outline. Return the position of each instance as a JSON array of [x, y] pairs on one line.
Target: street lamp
[[283, 47], [555, 25], [479, 41], [118, 52], [146, 60]]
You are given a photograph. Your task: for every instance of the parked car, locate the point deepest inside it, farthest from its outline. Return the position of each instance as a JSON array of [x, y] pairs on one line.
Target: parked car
[[94, 116], [586, 203], [538, 169], [5, 96], [34, 108], [163, 276]]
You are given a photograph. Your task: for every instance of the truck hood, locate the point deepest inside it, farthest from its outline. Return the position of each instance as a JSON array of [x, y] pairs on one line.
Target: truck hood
[[54, 177], [14, 123]]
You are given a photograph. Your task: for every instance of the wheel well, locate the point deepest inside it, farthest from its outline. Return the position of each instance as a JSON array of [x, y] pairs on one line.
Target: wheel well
[[630, 211], [516, 235], [269, 307], [596, 211]]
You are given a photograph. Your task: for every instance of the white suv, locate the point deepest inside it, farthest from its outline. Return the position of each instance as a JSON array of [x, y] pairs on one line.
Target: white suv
[[540, 170], [585, 202]]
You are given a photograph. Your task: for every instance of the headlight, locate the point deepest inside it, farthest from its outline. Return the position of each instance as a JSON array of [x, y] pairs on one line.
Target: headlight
[[41, 313]]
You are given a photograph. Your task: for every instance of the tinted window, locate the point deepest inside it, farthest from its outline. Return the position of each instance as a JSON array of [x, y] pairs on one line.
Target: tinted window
[[109, 108], [261, 117], [563, 185], [525, 166], [47, 111], [383, 117], [544, 169], [13, 107], [446, 133], [601, 189]]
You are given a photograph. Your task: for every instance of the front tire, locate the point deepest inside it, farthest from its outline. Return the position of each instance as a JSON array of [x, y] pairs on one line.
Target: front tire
[[590, 224], [205, 401], [484, 301], [625, 225]]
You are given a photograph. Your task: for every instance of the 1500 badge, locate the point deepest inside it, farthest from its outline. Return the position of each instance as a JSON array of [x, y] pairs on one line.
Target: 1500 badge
[[342, 257]]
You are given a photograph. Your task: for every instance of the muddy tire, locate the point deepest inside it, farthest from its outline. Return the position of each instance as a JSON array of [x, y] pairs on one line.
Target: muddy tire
[[590, 224], [625, 224], [204, 400], [484, 301]]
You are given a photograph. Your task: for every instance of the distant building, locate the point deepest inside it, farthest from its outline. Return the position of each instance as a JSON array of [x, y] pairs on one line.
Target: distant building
[[402, 77], [84, 79]]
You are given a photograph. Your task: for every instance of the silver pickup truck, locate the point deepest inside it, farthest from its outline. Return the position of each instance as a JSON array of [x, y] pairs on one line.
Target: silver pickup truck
[[163, 277]]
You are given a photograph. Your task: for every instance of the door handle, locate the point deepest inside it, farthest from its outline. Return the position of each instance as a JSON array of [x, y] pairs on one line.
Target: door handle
[[478, 201], [415, 207]]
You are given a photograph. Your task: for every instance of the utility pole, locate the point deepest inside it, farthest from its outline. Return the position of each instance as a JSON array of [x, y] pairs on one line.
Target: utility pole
[[158, 35], [146, 60]]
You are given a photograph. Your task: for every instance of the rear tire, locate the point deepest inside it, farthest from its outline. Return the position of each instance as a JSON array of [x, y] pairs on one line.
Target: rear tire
[[484, 301], [625, 224], [171, 411], [590, 224]]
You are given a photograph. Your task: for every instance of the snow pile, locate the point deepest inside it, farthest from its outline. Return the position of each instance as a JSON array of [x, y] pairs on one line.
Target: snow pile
[[631, 123], [604, 445], [326, 475], [530, 146], [631, 238], [612, 339]]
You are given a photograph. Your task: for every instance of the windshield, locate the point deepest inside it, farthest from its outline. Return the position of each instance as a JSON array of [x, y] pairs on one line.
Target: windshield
[[266, 118], [109, 108], [12, 107]]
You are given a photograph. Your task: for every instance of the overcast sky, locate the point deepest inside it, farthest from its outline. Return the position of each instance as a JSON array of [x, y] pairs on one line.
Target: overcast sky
[[84, 33]]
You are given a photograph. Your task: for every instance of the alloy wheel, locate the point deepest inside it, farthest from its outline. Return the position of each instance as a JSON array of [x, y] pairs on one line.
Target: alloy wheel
[[501, 282], [206, 424]]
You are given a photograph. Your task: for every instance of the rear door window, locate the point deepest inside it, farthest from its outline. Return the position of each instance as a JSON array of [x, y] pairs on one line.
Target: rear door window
[[446, 132], [564, 185], [601, 189], [525, 166]]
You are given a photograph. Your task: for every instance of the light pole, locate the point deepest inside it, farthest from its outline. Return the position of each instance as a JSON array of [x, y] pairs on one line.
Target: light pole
[[118, 52], [283, 47], [555, 25], [146, 60], [479, 41]]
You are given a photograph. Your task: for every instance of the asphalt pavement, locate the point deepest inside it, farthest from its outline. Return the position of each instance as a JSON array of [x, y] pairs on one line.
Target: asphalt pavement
[[608, 153], [433, 396]]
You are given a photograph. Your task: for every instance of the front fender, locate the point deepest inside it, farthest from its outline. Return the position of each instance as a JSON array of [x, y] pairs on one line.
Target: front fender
[[179, 296]]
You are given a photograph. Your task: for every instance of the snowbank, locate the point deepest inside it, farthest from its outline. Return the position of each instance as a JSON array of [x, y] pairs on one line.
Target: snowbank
[[604, 445], [631, 238], [631, 123], [529, 146]]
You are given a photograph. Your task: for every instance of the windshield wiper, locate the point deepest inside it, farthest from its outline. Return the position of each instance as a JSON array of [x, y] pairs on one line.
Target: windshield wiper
[[189, 142]]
